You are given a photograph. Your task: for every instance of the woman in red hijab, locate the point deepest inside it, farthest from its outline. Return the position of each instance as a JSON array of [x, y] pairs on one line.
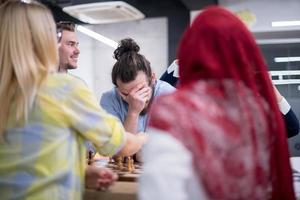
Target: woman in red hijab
[[220, 136]]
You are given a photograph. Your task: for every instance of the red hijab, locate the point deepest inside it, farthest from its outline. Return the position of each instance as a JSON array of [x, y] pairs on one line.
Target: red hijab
[[225, 112]]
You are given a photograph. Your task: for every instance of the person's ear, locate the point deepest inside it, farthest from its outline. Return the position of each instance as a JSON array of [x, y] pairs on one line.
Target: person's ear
[[153, 78]]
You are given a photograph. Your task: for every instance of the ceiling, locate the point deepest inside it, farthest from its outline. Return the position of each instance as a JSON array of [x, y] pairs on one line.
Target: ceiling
[[151, 8], [177, 13]]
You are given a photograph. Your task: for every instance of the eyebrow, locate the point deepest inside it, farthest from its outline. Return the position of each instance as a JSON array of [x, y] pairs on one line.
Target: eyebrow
[[72, 41]]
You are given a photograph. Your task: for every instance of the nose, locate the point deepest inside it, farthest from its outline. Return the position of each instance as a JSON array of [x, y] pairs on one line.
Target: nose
[[77, 50]]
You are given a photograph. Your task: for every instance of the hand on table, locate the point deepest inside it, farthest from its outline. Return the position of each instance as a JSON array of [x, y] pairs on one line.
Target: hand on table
[[99, 178]]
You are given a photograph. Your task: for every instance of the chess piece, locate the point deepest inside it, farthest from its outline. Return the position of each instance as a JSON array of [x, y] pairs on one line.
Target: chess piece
[[119, 162], [130, 165], [90, 158]]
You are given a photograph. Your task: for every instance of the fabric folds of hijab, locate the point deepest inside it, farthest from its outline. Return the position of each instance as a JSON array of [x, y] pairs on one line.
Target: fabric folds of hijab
[[225, 112]]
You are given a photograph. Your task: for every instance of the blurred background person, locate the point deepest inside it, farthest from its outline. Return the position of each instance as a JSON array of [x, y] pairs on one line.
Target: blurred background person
[[171, 76], [290, 119], [46, 116], [220, 135]]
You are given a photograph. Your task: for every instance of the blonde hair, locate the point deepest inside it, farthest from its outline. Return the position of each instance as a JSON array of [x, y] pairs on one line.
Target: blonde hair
[[28, 53]]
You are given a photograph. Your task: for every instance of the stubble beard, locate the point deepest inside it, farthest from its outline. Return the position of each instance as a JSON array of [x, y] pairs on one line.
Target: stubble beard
[[69, 66]]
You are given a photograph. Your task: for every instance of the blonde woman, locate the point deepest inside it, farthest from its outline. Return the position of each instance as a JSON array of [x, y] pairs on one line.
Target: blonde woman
[[46, 117]]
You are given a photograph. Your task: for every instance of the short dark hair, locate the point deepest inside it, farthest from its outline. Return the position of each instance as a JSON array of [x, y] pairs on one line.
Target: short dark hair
[[129, 62], [64, 26]]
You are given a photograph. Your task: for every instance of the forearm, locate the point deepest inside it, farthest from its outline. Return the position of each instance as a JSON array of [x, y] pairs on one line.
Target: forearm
[[133, 144], [131, 122], [291, 123]]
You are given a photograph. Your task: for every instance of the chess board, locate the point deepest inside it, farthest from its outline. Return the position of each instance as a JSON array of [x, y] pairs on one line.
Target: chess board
[[123, 172]]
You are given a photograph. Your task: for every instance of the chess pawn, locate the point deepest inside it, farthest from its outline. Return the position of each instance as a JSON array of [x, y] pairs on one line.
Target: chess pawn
[[129, 163], [132, 164], [90, 158], [119, 162]]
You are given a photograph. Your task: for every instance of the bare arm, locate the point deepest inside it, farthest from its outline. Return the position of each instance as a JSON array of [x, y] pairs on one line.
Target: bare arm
[[99, 178], [277, 94], [133, 144], [131, 121]]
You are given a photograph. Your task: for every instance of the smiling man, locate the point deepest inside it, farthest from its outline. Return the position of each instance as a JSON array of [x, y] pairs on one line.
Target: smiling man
[[68, 46]]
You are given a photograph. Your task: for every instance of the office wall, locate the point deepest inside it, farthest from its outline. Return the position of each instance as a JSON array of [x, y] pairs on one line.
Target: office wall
[[267, 11], [96, 61]]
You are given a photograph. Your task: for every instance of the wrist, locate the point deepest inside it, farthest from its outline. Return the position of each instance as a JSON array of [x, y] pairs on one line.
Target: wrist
[[142, 138], [133, 113]]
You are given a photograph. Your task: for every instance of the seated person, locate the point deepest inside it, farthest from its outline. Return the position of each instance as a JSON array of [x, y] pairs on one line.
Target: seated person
[[221, 134], [45, 116], [68, 46], [135, 87], [171, 76], [290, 119], [69, 52]]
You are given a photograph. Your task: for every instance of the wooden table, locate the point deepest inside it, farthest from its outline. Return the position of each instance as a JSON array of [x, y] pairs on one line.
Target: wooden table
[[122, 190]]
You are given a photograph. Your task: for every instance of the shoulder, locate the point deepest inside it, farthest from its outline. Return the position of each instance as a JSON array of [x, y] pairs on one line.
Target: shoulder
[[165, 84], [162, 87], [169, 78], [173, 106], [110, 98], [109, 95], [165, 103], [77, 78], [63, 86], [59, 79]]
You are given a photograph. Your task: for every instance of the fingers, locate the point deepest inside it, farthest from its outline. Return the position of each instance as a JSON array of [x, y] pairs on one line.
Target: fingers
[[100, 178], [107, 178], [144, 90], [138, 97], [144, 93], [138, 87], [137, 93]]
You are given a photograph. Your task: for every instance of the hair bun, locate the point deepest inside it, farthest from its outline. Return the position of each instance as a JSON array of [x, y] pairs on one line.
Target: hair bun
[[126, 45]]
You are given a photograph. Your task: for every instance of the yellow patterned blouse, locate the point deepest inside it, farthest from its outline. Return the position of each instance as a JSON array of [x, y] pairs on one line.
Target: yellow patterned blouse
[[44, 158]]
